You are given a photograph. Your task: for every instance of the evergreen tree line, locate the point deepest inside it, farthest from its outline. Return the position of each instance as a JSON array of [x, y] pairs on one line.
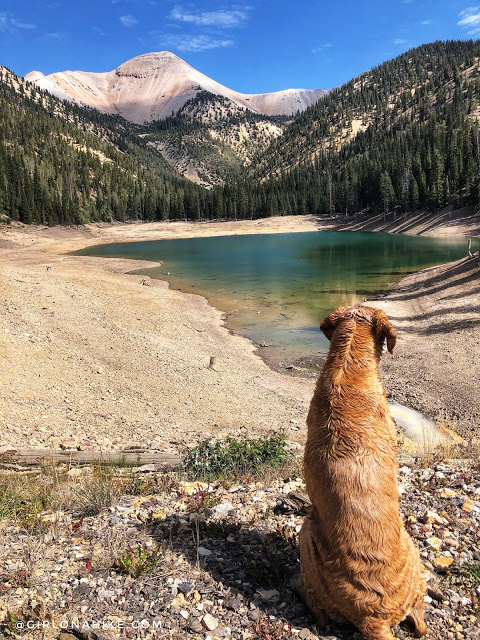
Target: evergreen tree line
[[61, 164], [417, 146]]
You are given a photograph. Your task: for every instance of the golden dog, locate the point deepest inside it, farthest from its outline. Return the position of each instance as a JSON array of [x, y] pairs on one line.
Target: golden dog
[[358, 563]]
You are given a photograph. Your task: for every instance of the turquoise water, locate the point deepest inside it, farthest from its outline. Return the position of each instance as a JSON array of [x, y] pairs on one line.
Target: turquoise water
[[277, 288]]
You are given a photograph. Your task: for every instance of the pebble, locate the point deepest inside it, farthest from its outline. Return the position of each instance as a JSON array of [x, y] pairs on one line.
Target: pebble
[[432, 517], [448, 493], [209, 622], [434, 543], [222, 510], [442, 562]]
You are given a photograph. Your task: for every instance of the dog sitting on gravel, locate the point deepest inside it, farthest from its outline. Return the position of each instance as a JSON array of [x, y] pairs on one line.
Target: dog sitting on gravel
[[358, 563]]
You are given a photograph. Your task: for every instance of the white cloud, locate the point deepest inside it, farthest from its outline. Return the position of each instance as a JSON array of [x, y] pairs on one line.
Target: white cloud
[[9, 24], [400, 41], [470, 20], [222, 18], [185, 42], [426, 22], [322, 47], [98, 31], [128, 21], [56, 35]]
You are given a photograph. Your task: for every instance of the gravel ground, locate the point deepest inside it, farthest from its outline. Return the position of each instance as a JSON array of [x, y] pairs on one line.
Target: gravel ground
[[226, 558]]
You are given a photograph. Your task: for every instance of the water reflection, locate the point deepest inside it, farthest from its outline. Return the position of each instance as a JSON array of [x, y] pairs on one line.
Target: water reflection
[[279, 286]]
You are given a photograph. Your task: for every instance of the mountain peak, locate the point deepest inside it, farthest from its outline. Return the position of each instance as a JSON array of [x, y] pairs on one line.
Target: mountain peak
[[152, 85], [148, 64]]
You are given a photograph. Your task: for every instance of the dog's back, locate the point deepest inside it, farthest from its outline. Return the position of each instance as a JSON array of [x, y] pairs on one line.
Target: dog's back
[[358, 563]]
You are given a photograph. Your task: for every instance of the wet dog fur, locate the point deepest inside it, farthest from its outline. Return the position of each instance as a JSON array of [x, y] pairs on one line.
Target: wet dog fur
[[357, 561]]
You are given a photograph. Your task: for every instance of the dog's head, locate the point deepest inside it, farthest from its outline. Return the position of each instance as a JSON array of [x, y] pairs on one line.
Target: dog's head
[[381, 327]]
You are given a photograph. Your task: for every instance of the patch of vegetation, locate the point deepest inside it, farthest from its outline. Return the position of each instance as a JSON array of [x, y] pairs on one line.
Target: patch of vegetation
[[135, 484], [98, 490], [201, 501], [470, 577], [24, 497], [234, 458], [30, 611], [139, 561]]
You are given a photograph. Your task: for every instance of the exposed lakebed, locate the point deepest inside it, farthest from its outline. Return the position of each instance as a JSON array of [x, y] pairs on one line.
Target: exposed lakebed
[[276, 288]]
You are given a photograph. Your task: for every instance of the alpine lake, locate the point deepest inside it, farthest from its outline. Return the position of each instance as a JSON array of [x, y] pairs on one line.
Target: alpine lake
[[276, 288]]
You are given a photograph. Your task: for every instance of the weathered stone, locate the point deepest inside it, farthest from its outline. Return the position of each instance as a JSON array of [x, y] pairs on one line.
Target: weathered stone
[[209, 622], [434, 543], [448, 493], [442, 562], [432, 517], [222, 510]]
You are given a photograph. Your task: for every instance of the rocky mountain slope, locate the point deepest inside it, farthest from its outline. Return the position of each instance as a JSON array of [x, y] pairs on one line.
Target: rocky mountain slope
[[211, 138], [156, 85], [400, 137]]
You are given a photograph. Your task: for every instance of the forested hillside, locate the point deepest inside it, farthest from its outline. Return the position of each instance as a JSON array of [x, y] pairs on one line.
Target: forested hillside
[[401, 137], [62, 164], [211, 139]]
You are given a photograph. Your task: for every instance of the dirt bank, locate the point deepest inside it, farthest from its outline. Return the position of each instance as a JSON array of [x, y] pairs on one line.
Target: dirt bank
[[92, 358], [436, 368]]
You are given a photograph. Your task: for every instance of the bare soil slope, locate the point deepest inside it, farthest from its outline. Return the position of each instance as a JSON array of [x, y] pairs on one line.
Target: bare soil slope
[[436, 368]]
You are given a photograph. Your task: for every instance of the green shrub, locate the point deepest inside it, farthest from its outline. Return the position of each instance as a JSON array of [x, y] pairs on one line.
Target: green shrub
[[139, 561], [232, 457]]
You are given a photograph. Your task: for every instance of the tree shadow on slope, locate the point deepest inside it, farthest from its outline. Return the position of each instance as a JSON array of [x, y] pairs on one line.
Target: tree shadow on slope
[[440, 282]]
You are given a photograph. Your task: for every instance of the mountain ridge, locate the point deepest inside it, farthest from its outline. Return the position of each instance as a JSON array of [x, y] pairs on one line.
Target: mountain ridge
[[401, 137], [154, 85]]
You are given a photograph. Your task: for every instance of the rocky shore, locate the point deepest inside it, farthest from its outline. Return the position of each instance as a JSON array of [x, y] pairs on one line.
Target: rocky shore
[[93, 359]]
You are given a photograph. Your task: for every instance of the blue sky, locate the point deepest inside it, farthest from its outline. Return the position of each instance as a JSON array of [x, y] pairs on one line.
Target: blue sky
[[256, 46]]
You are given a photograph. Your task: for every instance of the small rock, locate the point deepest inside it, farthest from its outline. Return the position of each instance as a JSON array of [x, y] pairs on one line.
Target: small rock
[[222, 510], [442, 562], [269, 594], [434, 543], [204, 552], [448, 493], [191, 488], [209, 622], [432, 517], [435, 595], [468, 505]]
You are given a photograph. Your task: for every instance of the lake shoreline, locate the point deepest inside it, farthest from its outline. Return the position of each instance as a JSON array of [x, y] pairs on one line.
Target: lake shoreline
[[65, 401]]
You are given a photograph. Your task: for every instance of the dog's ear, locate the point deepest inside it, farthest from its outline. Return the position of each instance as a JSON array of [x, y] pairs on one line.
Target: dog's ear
[[329, 324], [384, 330]]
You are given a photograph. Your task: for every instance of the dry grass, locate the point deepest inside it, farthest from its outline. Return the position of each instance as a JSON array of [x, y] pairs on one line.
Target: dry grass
[[34, 501]]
